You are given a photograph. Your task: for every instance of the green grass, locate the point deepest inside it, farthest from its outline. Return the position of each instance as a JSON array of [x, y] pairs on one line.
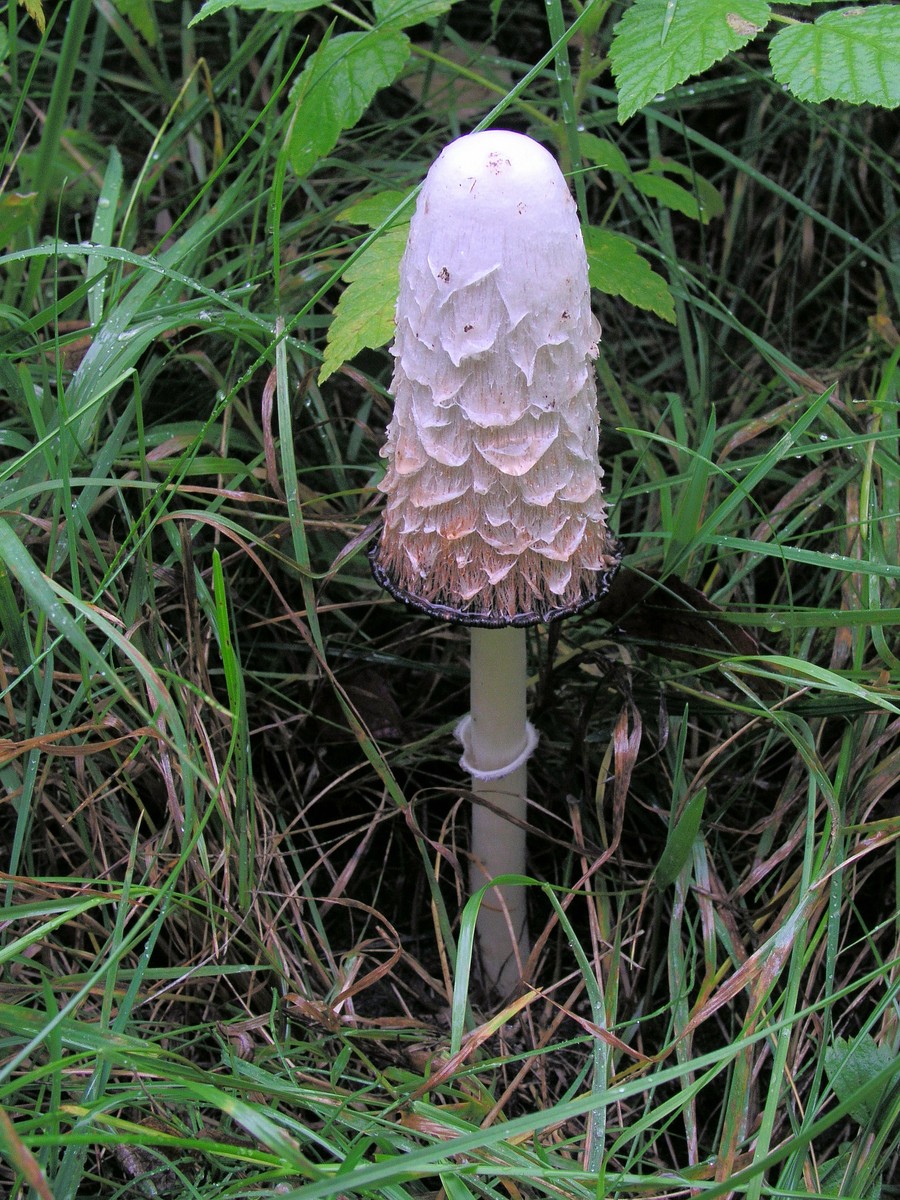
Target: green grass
[[235, 951]]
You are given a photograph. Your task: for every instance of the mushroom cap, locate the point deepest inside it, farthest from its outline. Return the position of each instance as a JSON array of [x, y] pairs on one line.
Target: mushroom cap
[[495, 513]]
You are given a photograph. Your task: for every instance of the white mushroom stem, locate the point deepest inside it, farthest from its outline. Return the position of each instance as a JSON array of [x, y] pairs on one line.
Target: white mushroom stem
[[497, 740]]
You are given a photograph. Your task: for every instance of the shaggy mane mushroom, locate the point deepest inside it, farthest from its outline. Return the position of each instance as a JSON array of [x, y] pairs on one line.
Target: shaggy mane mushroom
[[495, 516]]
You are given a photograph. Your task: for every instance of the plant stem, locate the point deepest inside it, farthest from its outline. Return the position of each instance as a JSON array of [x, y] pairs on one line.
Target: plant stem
[[498, 735]]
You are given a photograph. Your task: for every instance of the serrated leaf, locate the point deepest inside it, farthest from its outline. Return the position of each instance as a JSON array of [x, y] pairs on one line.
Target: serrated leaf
[[337, 86], [701, 204], [616, 268], [680, 842], [372, 211], [400, 13], [364, 315], [35, 10], [850, 1064], [140, 14], [603, 153], [701, 32], [850, 55], [280, 6]]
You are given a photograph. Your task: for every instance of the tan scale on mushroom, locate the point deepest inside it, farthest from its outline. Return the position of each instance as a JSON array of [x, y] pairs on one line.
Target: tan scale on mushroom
[[495, 515]]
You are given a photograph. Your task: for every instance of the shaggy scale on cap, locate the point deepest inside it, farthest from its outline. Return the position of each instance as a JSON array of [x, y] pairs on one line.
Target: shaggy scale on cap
[[495, 514]]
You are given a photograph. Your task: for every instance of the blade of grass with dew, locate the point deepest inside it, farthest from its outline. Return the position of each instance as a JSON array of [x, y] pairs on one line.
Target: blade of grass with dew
[[102, 232]]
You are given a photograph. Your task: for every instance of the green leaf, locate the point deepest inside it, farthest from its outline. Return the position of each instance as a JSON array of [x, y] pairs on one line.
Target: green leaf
[[603, 153], [376, 209], [670, 194], [337, 86], [140, 14], [364, 315], [616, 268], [702, 203], [680, 842], [35, 10], [701, 32], [850, 1064], [400, 13], [274, 6], [850, 55]]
